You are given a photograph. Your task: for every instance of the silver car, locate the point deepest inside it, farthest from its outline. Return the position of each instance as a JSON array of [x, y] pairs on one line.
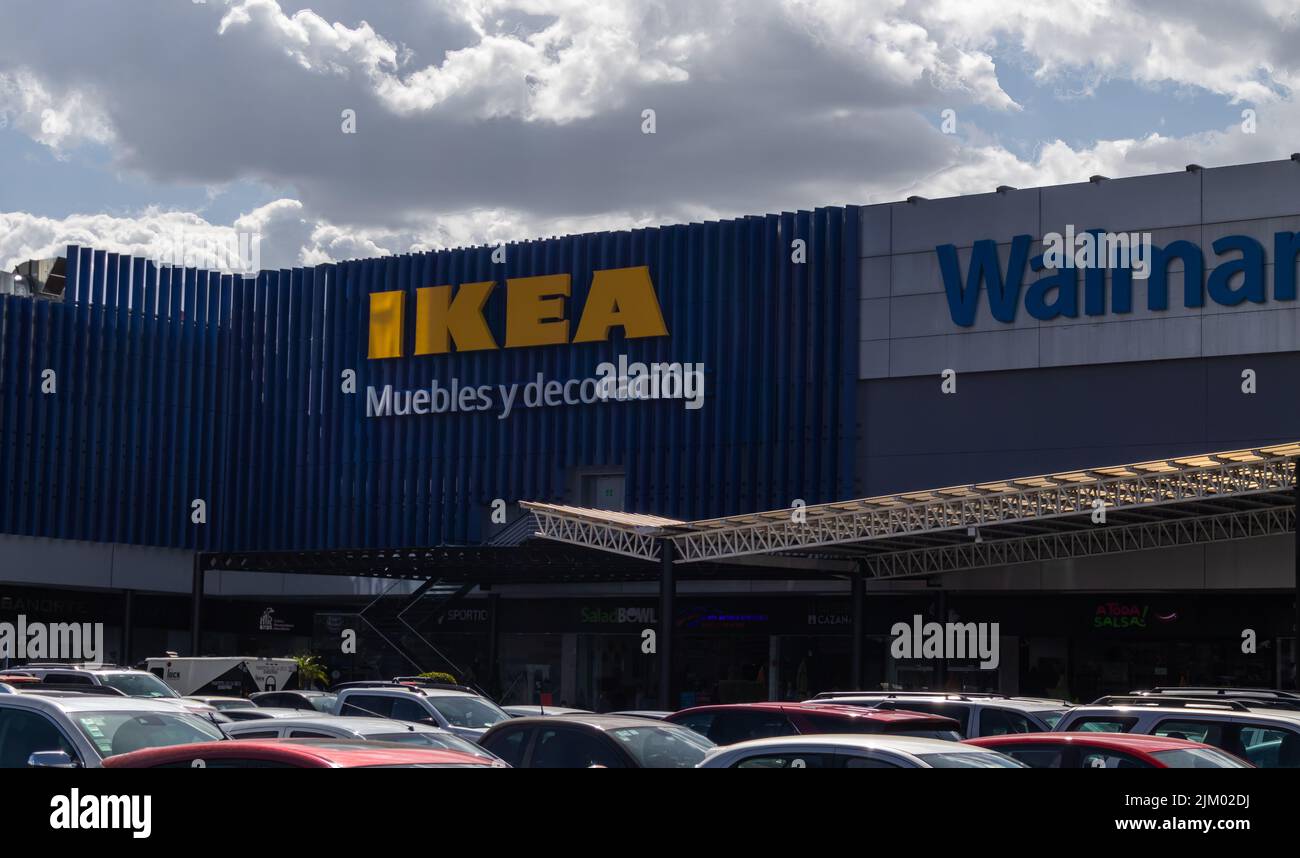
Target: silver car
[[857, 751], [70, 730], [353, 727]]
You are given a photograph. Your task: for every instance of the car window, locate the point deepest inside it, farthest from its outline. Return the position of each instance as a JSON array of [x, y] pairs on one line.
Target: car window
[[115, 733], [1034, 756], [277, 701], [138, 684], [1207, 732], [409, 710], [662, 746], [23, 733], [970, 761], [1098, 758], [69, 678], [786, 761], [564, 748], [1266, 747], [1197, 758], [321, 703], [310, 734], [368, 704], [259, 734], [868, 763], [509, 745], [958, 711], [700, 722], [474, 712], [739, 726], [1103, 724], [1002, 722]]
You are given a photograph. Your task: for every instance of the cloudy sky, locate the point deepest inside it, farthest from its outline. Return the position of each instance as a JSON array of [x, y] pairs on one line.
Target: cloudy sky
[[125, 121]]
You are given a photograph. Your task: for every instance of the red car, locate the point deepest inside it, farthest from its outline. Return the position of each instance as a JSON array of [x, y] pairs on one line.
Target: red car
[[1087, 750], [727, 724], [298, 754]]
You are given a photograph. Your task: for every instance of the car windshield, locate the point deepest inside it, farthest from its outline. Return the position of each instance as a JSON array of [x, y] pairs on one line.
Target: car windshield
[[1198, 758], [946, 735], [662, 746], [114, 733], [446, 741], [138, 684], [324, 702], [1050, 716], [472, 712], [970, 761]]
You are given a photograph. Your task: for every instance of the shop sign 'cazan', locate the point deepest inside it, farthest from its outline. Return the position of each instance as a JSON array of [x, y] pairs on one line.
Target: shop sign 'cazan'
[[535, 314]]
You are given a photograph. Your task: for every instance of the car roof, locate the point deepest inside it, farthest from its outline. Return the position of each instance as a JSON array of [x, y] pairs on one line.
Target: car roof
[[591, 719], [862, 741], [345, 752], [1112, 741], [303, 692], [1206, 709], [821, 708], [267, 713], [363, 724], [75, 702], [399, 688], [1034, 704]]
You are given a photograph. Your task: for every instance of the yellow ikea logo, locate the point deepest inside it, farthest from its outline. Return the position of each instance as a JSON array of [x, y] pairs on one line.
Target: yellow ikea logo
[[535, 313]]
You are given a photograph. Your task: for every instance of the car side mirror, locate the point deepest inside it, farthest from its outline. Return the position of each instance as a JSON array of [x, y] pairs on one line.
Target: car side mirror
[[52, 760]]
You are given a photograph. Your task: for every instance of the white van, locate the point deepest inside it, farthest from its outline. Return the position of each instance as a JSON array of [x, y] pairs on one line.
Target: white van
[[236, 676]]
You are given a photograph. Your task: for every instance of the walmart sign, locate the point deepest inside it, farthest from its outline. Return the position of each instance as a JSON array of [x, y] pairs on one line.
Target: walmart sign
[[1238, 275]]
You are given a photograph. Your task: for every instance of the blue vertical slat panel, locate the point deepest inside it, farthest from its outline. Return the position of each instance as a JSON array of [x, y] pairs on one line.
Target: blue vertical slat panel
[[175, 384]]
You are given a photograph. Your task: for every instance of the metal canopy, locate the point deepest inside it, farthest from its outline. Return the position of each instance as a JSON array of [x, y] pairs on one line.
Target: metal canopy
[[1234, 494], [531, 562]]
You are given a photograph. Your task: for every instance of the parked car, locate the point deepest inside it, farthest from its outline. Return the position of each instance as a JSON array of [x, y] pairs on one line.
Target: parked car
[[727, 724], [595, 741], [124, 680], [655, 714], [1256, 698], [1109, 751], [301, 754], [977, 713], [60, 729], [351, 727], [261, 713], [855, 752], [1265, 737], [312, 701], [522, 711], [222, 704], [453, 708]]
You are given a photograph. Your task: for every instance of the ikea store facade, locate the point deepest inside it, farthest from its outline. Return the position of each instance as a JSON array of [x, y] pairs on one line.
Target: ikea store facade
[[348, 445]]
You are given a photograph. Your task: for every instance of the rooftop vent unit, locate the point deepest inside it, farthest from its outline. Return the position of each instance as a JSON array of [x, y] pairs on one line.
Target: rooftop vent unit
[[42, 278]]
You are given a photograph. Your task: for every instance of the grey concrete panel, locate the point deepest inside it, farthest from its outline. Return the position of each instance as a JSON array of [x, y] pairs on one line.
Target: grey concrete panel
[[875, 239], [1251, 332], [873, 319], [1248, 191], [1138, 203], [977, 352], [1115, 342], [873, 359], [874, 277], [960, 220]]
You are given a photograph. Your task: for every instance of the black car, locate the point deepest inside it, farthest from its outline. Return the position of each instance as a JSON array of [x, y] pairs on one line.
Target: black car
[[312, 701], [595, 741]]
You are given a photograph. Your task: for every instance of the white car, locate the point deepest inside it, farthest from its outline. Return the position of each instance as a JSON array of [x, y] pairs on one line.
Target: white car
[[461, 711], [352, 727], [71, 730], [262, 713], [123, 680], [855, 751]]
